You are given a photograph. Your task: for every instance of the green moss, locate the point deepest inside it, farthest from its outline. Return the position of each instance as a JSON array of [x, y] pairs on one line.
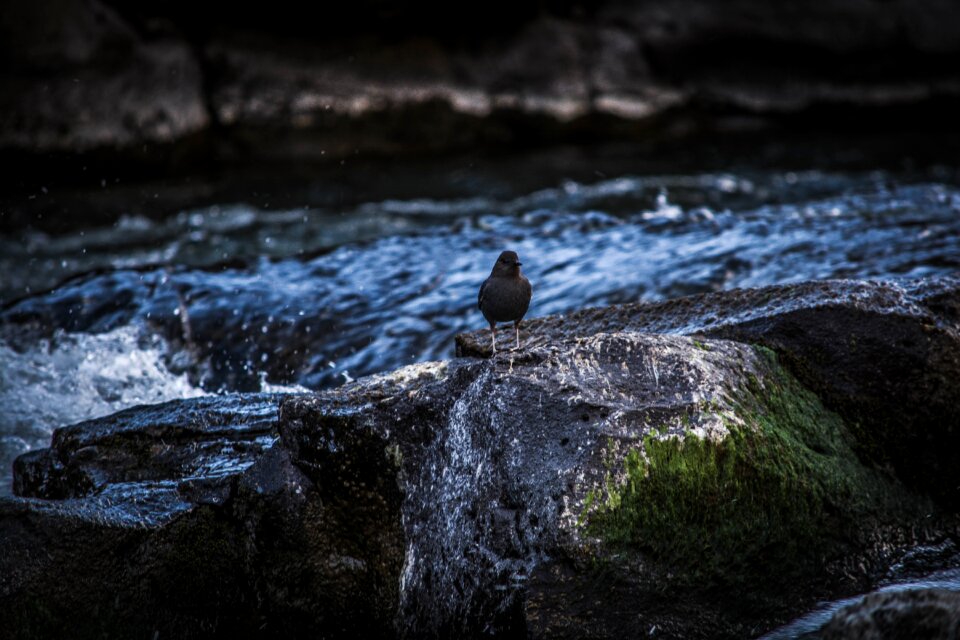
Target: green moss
[[393, 455], [782, 489]]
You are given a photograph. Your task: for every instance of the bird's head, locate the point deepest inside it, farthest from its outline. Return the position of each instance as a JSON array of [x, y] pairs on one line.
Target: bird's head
[[508, 264]]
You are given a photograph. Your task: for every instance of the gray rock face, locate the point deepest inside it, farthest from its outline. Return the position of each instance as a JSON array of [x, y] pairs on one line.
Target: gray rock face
[[205, 439], [602, 483], [885, 356], [933, 614], [123, 532]]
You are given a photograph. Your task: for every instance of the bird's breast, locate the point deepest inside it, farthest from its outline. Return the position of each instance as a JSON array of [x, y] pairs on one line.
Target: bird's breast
[[505, 299]]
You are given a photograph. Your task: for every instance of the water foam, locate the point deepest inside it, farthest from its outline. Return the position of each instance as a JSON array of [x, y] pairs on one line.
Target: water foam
[[75, 377]]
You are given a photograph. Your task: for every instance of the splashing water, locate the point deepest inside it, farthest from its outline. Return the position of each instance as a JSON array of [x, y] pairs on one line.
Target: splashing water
[[74, 377]]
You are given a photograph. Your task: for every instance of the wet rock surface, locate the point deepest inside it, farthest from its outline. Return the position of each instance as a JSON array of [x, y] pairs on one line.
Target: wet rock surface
[[116, 534], [206, 439], [601, 481], [901, 615], [883, 355]]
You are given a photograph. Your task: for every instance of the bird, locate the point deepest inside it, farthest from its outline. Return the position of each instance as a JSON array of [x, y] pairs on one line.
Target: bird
[[505, 295]]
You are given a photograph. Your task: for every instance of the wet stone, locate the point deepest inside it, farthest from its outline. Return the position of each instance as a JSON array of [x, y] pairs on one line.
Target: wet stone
[[600, 480]]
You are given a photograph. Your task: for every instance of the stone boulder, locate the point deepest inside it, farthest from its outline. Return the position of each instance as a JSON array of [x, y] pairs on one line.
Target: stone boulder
[[932, 614], [121, 531], [616, 482], [387, 78], [605, 482], [884, 355], [208, 438]]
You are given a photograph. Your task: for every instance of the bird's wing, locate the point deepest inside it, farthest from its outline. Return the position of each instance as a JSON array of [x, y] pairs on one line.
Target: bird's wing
[[480, 295]]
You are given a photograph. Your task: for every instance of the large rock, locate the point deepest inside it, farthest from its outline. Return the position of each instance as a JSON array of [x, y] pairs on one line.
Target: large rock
[[125, 535], [332, 98], [933, 614], [602, 483], [621, 62], [108, 74], [208, 438], [615, 482], [886, 356]]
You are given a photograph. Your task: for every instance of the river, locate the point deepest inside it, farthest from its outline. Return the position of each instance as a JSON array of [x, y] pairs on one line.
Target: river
[[236, 297]]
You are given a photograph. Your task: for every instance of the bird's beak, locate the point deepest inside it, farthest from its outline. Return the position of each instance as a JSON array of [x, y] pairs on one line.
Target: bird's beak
[[519, 264]]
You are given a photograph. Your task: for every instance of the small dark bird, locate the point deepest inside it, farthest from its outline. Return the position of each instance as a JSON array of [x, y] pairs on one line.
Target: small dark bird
[[505, 295]]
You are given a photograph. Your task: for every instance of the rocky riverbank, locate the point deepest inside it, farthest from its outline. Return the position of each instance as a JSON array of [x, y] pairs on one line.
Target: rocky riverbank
[[704, 467], [156, 86]]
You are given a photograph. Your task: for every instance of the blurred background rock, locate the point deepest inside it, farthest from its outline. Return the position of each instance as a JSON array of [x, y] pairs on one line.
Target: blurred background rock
[[94, 88]]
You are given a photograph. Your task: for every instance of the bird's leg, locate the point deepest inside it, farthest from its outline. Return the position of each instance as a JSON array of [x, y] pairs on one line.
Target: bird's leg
[[493, 338], [516, 327]]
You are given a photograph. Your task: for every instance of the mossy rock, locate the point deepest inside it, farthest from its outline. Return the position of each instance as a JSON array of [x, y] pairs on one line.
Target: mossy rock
[[774, 497]]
